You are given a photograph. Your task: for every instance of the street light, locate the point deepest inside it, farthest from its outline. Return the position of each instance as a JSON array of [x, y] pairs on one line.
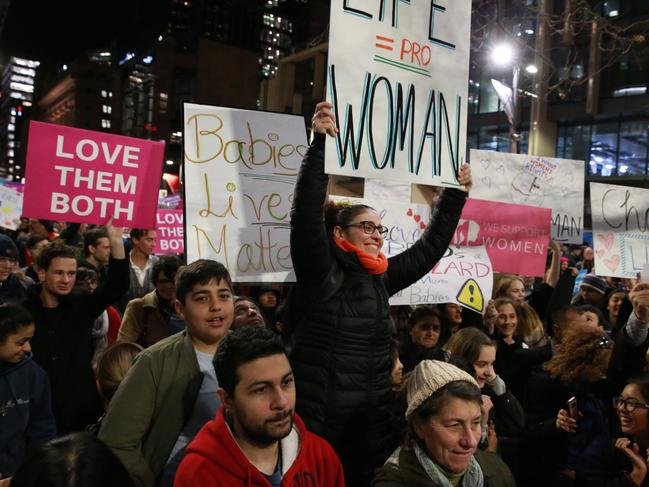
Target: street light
[[503, 55]]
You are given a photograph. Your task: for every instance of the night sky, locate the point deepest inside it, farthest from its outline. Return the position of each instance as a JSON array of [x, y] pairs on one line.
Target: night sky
[[58, 31]]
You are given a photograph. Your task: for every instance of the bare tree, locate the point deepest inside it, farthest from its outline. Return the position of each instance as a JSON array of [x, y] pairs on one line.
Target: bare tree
[[584, 41]]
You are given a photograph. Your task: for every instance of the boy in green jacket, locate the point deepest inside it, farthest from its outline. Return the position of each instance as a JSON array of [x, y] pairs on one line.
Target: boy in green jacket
[[170, 391]]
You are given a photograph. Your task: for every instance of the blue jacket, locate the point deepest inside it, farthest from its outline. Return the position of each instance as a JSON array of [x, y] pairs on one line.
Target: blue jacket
[[26, 418]]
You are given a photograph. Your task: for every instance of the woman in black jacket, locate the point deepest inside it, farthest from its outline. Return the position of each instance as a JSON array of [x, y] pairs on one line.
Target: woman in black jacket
[[341, 351]]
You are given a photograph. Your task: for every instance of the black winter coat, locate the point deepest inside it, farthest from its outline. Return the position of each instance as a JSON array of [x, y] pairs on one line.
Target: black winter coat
[[341, 348], [63, 346]]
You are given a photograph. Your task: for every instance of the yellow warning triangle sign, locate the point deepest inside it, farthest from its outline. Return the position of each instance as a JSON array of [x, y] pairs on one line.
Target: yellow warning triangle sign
[[470, 295]]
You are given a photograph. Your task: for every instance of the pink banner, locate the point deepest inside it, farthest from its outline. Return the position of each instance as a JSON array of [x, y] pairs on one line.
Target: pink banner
[[169, 227], [84, 176], [516, 237]]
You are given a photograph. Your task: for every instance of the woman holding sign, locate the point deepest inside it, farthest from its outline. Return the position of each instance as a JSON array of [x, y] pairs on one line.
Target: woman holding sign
[[340, 310]]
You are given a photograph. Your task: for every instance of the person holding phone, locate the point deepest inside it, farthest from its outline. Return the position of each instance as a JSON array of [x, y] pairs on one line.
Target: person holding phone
[[579, 369], [341, 321]]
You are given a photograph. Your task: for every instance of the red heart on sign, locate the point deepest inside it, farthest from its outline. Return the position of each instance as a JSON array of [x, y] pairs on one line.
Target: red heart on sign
[[600, 253], [417, 218], [409, 212], [422, 225], [607, 240], [613, 262]]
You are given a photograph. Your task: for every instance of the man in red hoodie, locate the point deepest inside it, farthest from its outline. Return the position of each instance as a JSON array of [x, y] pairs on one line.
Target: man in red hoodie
[[256, 438]]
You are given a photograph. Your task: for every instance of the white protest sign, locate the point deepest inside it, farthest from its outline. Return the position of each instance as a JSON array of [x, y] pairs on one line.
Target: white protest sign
[[240, 171], [620, 229], [463, 276], [398, 78], [544, 182], [379, 189], [11, 207]]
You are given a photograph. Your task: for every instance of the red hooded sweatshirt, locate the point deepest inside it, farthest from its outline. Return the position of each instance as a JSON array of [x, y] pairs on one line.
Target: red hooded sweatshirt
[[214, 459]]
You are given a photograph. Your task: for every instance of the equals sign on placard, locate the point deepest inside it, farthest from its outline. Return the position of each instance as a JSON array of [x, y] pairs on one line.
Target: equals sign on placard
[[384, 43]]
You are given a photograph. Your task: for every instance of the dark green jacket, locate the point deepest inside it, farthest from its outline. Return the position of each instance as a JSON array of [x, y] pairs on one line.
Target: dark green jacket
[[408, 472], [151, 407]]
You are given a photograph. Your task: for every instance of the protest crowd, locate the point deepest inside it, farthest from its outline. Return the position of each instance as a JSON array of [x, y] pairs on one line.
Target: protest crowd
[[119, 367]]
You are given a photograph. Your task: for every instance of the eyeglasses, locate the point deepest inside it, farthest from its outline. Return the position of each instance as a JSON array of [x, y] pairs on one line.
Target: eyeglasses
[[629, 404], [370, 228]]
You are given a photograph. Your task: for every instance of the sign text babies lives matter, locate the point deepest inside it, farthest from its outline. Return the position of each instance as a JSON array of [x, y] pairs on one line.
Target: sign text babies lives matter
[[84, 176], [240, 172]]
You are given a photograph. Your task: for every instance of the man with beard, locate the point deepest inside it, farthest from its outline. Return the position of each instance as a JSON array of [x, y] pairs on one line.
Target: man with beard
[[256, 438], [170, 392], [246, 313]]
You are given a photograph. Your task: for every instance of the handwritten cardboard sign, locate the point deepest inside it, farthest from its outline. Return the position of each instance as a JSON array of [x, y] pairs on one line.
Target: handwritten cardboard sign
[[620, 229], [380, 189], [464, 276], [543, 182], [398, 79], [515, 236], [11, 206], [15, 185], [84, 176], [240, 172], [170, 233]]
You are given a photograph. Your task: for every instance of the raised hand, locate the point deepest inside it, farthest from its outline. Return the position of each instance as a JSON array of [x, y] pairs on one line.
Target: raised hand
[[639, 297], [323, 121], [632, 452], [465, 177]]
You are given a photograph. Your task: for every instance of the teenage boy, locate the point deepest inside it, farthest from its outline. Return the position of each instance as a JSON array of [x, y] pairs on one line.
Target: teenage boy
[[256, 438], [26, 418], [64, 319], [170, 392]]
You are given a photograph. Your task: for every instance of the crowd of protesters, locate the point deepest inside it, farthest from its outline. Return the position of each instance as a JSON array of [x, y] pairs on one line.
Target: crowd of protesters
[[119, 367]]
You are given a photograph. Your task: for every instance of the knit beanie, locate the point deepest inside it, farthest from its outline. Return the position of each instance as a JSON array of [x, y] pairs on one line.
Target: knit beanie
[[428, 377], [594, 282], [8, 247]]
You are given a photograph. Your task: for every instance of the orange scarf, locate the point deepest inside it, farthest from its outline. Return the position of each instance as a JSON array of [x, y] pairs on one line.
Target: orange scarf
[[373, 265]]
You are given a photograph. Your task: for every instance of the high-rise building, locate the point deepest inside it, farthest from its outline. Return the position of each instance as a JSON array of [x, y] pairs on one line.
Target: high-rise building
[[152, 84], [18, 80], [81, 96]]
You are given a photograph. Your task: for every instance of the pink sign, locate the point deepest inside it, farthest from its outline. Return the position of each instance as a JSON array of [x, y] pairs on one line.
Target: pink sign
[[516, 237], [169, 227], [83, 176]]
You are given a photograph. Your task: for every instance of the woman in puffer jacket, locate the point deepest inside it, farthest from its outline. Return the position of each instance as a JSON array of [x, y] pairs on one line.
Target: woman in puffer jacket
[[341, 322]]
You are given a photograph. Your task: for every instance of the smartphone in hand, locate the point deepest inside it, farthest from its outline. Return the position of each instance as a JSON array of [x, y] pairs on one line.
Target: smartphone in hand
[[572, 408]]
